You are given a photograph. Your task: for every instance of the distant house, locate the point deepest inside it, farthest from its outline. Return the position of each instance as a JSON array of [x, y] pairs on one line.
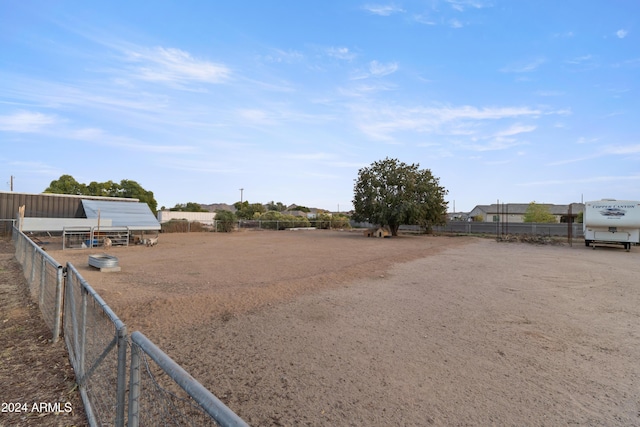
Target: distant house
[[514, 212], [457, 216], [310, 213]]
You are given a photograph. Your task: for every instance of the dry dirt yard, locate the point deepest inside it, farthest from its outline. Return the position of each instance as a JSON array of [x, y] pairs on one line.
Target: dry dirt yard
[[331, 328], [32, 369]]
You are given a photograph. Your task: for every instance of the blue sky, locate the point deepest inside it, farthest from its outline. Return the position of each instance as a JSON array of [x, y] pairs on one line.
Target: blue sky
[[515, 101]]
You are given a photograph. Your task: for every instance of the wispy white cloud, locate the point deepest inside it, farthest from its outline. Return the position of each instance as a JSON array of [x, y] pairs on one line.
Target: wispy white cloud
[[494, 144], [379, 70], [550, 93], [611, 150], [424, 19], [383, 10], [515, 129], [26, 121], [284, 56], [383, 122], [524, 66], [567, 34], [585, 180], [622, 33], [577, 60], [622, 149], [341, 53], [454, 23], [37, 167], [171, 65], [583, 140], [310, 156], [462, 5]]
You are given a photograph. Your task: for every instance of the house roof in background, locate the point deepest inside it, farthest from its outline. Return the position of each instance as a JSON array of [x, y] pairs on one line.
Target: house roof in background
[[521, 208]]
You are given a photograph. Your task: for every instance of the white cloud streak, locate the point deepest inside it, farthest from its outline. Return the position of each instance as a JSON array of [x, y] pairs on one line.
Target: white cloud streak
[[26, 122], [382, 122], [170, 65], [383, 10], [524, 67], [379, 70]]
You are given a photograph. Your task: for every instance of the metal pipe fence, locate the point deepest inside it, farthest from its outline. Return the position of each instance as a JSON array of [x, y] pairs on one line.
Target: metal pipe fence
[[491, 228], [45, 279], [161, 392], [531, 228], [96, 341]]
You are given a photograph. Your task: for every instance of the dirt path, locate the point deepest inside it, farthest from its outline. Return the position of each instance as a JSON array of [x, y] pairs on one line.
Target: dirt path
[[328, 328], [32, 370]]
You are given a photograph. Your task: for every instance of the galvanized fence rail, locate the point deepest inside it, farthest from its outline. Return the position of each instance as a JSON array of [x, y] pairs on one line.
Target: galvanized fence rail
[[45, 279], [161, 392], [493, 228], [97, 343]]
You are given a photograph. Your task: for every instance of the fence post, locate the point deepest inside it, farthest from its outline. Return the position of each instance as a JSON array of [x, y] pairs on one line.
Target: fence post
[[121, 386], [23, 251], [43, 277], [33, 266], [83, 333], [58, 308], [134, 387]]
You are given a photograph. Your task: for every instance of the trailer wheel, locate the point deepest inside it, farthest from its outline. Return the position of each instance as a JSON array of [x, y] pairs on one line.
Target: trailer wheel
[[587, 243], [627, 246]]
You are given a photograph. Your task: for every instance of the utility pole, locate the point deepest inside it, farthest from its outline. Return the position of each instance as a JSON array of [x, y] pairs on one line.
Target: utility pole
[[241, 190], [11, 184]]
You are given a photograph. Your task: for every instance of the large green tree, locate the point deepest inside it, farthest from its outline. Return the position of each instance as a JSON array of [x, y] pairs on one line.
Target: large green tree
[[246, 210], [538, 213], [392, 193], [66, 184]]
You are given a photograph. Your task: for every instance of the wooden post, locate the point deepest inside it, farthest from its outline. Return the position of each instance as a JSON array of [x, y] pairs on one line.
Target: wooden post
[[20, 216]]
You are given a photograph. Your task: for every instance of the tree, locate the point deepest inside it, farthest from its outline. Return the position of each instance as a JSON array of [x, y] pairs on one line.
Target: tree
[[246, 210], [66, 184], [391, 193], [538, 213], [188, 207], [278, 207], [133, 190]]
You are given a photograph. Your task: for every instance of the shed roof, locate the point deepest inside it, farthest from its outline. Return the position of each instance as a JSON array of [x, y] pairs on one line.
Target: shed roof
[[521, 208], [136, 216]]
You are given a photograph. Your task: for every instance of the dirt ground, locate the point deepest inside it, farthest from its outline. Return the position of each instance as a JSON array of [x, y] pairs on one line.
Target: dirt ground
[[32, 370], [331, 328]]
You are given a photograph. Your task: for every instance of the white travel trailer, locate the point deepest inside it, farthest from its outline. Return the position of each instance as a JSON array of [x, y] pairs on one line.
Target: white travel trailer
[[612, 222]]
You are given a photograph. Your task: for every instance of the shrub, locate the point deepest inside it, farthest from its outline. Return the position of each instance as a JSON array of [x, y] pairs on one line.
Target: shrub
[[225, 220]]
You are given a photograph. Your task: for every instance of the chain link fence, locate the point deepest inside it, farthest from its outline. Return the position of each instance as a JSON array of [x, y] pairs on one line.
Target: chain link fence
[[96, 341], [45, 279], [160, 391]]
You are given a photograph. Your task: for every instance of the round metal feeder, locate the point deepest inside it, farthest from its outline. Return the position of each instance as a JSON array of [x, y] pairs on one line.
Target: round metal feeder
[[103, 261]]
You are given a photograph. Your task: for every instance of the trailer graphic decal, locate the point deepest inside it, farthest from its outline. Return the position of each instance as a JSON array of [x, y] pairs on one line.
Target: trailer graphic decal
[[614, 212]]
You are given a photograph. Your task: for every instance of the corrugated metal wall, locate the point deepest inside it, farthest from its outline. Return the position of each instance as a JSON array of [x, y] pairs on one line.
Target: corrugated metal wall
[[39, 205], [43, 206]]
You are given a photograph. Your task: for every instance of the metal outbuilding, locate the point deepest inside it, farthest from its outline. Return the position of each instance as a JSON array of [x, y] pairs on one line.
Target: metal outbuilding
[[47, 212]]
